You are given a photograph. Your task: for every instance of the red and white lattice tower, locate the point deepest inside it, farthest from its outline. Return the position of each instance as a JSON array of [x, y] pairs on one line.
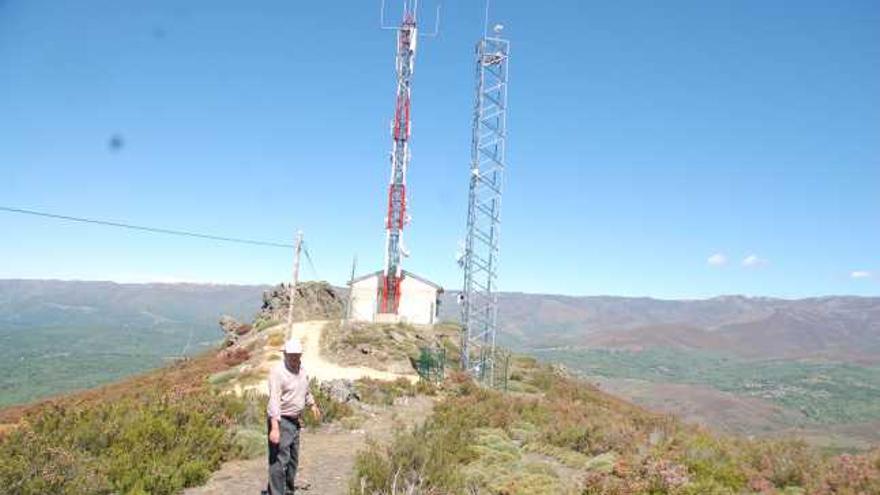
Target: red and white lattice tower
[[396, 216]]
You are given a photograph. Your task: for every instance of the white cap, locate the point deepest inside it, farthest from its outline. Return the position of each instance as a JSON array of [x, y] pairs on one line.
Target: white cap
[[293, 346]]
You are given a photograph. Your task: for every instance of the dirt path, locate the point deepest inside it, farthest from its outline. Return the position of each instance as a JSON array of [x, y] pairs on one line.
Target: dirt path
[[314, 362], [318, 367], [326, 455]]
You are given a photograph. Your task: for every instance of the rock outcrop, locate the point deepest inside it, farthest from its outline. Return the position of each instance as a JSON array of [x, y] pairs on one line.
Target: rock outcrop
[[313, 301], [233, 329]]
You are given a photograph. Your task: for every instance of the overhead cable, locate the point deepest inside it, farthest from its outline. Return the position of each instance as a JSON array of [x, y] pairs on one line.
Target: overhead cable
[[142, 228]]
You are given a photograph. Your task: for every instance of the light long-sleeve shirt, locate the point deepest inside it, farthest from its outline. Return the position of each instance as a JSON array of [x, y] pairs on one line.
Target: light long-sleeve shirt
[[288, 392]]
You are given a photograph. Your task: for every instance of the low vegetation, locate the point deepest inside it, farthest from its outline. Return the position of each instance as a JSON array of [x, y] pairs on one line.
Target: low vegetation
[[330, 409], [152, 434], [158, 444], [261, 323], [567, 437], [378, 392]]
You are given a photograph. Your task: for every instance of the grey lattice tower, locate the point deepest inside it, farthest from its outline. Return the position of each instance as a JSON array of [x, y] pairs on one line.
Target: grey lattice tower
[[480, 261]]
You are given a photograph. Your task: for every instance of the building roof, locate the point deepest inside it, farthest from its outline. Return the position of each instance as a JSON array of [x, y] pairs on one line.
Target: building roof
[[378, 273]]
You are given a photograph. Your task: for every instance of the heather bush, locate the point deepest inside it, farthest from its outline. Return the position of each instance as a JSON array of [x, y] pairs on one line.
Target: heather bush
[[852, 475], [154, 444], [781, 463], [480, 441], [31, 463]]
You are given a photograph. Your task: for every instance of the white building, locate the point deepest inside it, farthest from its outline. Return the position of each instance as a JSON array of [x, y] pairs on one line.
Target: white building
[[419, 300]]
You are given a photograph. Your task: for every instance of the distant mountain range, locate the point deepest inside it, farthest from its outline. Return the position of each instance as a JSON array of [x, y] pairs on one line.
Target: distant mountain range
[[25, 304], [103, 331], [835, 327], [59, 336], [839, 327]]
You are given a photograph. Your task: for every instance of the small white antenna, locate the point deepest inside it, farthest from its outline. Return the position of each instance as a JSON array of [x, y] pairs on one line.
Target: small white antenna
[[436, 25], [382, 17], [486, 19]]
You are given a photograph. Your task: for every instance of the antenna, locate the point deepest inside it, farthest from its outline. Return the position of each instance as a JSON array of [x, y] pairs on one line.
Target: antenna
[[436, 25], [382, 18], [397, 216], [413, 7], [485, 19]]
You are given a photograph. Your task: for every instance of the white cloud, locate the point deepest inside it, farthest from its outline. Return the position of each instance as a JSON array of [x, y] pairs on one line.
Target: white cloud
[[860, 274], [752, 261], [717, 259]]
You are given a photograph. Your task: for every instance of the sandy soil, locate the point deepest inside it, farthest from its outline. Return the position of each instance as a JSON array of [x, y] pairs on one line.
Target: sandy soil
[[318, 367]]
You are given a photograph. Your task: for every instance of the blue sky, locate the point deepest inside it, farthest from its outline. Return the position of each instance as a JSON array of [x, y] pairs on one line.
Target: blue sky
[[649, 142]]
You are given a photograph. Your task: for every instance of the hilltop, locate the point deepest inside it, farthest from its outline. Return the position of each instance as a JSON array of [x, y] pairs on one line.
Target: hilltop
[[549, 433], [170, 428], [749, 366]]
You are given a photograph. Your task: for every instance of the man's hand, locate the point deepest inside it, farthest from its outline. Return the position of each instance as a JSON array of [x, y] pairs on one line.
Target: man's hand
[[316, 413], [275, 435]]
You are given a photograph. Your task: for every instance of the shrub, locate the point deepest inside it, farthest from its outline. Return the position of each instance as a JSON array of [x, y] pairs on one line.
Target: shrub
[[331, 410], [853, 475], [33, 463], [223, 377], [262, 323], [476, 439], [234, 357], [155, 434], [780, 463], [156, 444], [380, 392], [423, 458]]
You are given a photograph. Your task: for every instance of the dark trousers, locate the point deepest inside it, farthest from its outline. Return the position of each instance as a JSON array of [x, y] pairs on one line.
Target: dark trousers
[[284, 457]]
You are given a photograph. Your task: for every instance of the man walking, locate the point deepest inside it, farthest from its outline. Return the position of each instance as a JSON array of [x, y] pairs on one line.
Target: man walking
[[288, 397]]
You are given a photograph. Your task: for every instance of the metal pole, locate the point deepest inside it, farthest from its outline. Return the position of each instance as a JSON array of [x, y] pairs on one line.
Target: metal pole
[[347, 316], [296, 252]]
